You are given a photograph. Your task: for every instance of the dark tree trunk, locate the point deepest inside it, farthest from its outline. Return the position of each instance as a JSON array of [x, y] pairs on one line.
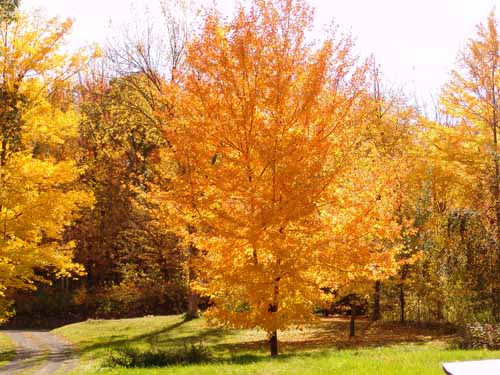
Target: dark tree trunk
[[193, 298], [273, 343], [352, 323], [192, 310], [402, 303], [273, 308], [376, 302], [439, 312]]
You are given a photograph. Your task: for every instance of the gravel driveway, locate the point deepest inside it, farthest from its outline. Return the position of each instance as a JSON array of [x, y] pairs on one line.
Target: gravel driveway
[[39, 353]]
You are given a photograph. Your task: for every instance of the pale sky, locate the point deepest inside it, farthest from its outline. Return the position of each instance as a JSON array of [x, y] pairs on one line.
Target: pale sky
[[414, 41]]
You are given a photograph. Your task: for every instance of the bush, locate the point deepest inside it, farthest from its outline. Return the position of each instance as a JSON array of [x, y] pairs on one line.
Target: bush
[[481, 335], [140, 294], [127, 356]]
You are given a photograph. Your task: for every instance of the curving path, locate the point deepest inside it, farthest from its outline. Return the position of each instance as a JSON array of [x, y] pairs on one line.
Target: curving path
[[39, 353]]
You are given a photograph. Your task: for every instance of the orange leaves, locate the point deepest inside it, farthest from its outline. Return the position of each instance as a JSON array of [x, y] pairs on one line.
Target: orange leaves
[[269, 169]]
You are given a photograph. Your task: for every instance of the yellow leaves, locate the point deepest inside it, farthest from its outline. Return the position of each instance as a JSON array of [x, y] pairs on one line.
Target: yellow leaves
[[39, 193], [220, 32], [97, 52], [31, 49], [463, 147], [32, 192], [50, 126]]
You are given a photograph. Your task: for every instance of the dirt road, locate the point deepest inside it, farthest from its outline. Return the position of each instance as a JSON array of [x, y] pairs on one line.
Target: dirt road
[[39, 353]]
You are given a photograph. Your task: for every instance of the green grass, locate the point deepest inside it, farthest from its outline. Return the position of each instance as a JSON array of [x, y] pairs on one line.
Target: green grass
[[323, 348], [7, 349]]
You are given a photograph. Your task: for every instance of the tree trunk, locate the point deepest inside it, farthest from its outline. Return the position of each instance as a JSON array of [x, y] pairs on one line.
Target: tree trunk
[[402, 303], [439, 312], [192, 310], [193, 298], [376, 302], [352, 323], [273, 343], [273, 308]]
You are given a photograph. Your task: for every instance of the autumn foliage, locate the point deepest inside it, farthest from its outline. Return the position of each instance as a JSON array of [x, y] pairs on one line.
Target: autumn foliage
[[269, 176], [245, 169], [39, 192]]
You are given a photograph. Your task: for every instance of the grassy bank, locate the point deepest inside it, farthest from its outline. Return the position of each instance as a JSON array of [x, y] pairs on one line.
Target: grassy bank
[[7, 348], [322, 348]]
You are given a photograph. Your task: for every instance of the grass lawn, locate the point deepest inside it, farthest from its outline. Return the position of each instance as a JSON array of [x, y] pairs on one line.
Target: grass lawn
[[322, 348], [7, 349]]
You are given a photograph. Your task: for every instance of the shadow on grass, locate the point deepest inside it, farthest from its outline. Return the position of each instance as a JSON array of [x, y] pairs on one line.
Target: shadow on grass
[[326, 335], [7, 355], [157, 339]]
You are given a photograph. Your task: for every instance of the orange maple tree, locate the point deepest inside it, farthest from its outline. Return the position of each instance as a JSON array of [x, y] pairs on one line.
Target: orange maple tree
[[268, 174]]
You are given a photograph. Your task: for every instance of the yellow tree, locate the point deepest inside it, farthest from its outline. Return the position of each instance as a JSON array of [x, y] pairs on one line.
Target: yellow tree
[[269, 177], [471, 101], [38, 127], [393, 129]]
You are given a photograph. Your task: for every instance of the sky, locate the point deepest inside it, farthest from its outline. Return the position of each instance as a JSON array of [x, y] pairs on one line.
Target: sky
[[414, 41]]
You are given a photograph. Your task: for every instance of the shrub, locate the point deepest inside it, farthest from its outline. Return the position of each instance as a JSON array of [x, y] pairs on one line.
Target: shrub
[[481, 335], [140, 294], [127, 356]]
